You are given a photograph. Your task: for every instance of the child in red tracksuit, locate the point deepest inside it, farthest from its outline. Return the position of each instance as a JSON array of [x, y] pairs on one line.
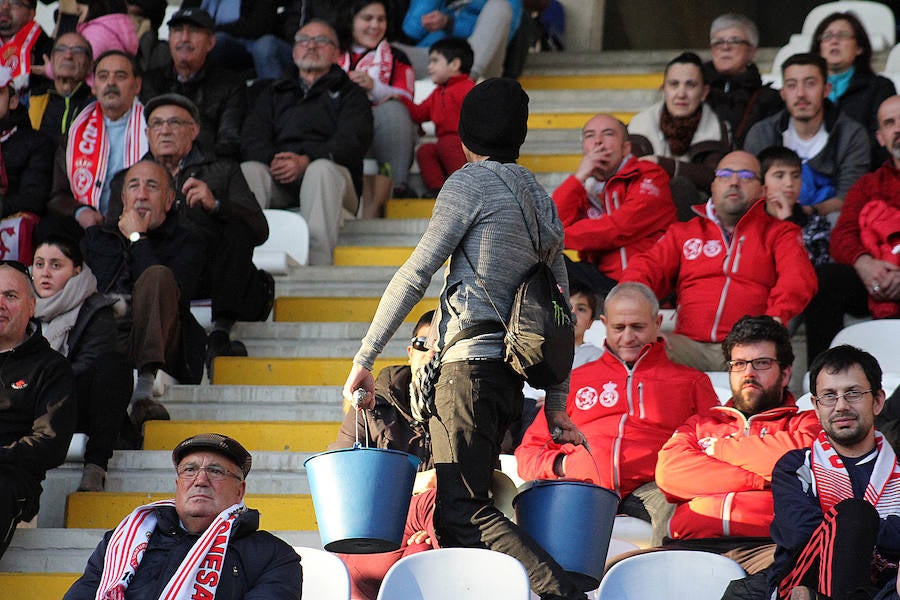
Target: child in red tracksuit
[[449, 61]]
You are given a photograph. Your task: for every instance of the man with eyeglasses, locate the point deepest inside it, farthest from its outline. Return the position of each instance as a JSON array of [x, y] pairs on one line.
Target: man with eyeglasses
[[736, 90], [54, 110], [213, 200], [731, 260], [37, 405], [717, 468], [836, 520], [23, 43], [205, 543], [833, 147], [217, 91], [305, 140]]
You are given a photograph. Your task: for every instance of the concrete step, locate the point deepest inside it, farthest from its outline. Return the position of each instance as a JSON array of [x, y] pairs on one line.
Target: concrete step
[[339, 309], [308, 341], [597, 81], [232, 370], [44, 551], [271, 436], [622, 61], [385, 226], [247, 403], [312, 349], [104, 510]]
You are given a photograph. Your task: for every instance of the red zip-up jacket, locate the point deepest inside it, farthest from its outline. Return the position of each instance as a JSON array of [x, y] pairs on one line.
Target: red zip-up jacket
[[763, 269], [881, 184], [442, 106], [625, 413], [637, 209], [718, 468]]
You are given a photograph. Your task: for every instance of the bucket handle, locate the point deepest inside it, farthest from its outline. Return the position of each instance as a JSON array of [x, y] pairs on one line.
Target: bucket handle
[[358, 396], [586, 447]]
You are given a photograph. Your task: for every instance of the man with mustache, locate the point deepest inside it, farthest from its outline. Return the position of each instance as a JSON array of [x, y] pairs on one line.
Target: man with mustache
[[218, 92], [836, 521], [54, 111], [862, 281], [833, 147], [717, 467], [731, 260], [306, 137], [153, 265], [204, 543], [106, 137], [613, 207]]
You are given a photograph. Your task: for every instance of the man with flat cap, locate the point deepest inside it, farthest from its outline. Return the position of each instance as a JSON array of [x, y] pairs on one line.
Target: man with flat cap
[[203, 544]]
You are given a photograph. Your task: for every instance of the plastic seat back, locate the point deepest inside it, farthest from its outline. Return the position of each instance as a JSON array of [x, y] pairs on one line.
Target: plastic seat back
[[325, 576], [672, 574]]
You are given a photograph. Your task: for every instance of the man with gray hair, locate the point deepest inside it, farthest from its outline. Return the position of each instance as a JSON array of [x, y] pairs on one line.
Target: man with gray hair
[[37, 408], [736, 91]]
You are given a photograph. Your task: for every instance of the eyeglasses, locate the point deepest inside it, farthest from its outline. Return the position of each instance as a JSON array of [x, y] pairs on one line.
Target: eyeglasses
[[62, 48], [15, 3], [173, 123], [743, 174], [719, 43], [850, 397], [759, 364], [319, 40], [419, 343], [836, 35], [191, 471]]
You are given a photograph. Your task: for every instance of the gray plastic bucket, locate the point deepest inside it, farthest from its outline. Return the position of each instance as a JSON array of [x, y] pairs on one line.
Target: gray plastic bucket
[[572, 521], [361, 497]]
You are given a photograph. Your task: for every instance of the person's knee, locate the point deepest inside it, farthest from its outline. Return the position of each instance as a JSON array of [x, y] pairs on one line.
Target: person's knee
[[267, 48], [157, 281]]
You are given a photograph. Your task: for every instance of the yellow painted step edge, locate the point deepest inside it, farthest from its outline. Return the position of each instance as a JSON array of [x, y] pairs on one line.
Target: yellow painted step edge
[[295, 309], [371, 256], [602, 81], [574, 120], [233, 370], [269, 436], [36, 586]]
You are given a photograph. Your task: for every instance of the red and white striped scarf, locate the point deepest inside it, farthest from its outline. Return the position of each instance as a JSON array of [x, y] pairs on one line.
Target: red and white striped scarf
[[832, 482], [129, 541], [378, 63], [87, 150], [16, 53]]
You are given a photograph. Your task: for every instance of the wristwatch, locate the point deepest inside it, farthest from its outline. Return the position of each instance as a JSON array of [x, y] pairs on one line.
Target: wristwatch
[[136, 236]]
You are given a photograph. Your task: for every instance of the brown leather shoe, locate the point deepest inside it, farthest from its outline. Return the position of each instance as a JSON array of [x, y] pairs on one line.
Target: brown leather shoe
[[147, 409]]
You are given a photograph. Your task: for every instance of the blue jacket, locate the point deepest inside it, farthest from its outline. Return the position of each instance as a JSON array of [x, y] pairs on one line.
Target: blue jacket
[[463, 12]]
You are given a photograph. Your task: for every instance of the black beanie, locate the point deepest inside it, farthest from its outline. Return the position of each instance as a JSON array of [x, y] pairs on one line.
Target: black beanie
[[493, 120]]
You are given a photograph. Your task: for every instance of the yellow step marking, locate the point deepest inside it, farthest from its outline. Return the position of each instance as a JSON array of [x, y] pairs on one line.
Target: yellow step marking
[[371, 256], [274, 436], [36, 586], [569, 120], [234, 370], [295, 309], [409, 208], [604, 81]]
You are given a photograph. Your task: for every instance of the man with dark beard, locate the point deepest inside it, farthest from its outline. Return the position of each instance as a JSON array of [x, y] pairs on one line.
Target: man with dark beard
[[717, 468]]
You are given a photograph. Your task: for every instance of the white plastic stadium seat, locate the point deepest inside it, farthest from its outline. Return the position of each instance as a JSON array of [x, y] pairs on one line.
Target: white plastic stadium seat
[[455, 573], [877, 18], [721, 384], [672, 574], [797, 45], [619, 547], [288, 243], [325, 576], [878, 338], [892, 66], [632, 529]]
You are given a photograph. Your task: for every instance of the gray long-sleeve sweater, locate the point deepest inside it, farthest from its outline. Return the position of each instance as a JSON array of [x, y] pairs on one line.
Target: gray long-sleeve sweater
[[476, 210]]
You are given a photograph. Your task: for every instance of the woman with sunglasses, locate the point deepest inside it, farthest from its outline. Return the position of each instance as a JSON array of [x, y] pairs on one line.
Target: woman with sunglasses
[[78, 322]]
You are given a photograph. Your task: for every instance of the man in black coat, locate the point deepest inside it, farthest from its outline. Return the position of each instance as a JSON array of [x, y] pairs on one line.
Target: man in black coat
[[154, 265]]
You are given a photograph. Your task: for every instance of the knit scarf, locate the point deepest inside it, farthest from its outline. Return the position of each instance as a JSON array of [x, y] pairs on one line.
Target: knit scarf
[[832, 481], [59, 312], [129, 541], [378, 63], [16, 53], [87, 150], [679, 131]]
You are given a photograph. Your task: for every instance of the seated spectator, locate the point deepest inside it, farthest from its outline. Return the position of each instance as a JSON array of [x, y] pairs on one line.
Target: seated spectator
[[856, 90], [717, 468], [736, 90], [833, 147], [218, 92], [153, 265], [386, 75], [106, 137], [682, 133], [305, 140], [213, 200], [488, 25], [858, 275], [205, 542], [27, 159], [23, 44], [627, 404], [78, 323], [731, 260], [613, 207], [54, 110], [37, 411], [781, 174], [246, 36], [449, 63]]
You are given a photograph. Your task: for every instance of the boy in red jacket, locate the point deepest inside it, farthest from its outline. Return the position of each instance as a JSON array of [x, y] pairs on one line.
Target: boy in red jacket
[[449, 61]]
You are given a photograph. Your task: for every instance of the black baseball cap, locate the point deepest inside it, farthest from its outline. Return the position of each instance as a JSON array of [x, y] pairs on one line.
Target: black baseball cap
[[228, 447], [194, 16]]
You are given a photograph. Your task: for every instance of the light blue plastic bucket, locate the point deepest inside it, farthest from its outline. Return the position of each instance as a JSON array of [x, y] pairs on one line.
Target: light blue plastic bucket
[[361, 497], [572, 521]]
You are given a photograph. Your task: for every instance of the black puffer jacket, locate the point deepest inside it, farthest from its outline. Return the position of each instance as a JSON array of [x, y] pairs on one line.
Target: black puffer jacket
[[219, 95], [94, 333], [860, 102], [28, 159], [257, 565], [332, 120], [731, 95]]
